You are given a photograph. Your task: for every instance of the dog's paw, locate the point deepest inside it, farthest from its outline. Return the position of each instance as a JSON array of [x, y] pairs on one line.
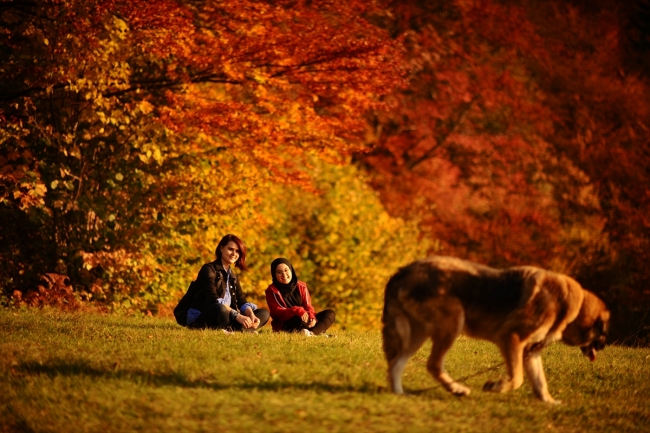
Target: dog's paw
[[550, 400], [458, 389], [498, 386]]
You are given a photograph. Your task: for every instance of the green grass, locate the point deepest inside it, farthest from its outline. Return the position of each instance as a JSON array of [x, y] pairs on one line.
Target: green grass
[[80, 372]]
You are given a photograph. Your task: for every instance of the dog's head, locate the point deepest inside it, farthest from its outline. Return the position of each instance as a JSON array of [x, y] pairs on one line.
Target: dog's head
[[589, 329]]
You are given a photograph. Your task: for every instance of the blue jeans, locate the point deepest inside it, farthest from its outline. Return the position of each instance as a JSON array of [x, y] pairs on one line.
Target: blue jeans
[[217, 316]]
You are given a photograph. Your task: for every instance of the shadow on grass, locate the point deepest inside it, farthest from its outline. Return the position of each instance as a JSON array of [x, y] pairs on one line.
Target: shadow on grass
[[152, 378], [173, 326], [167, 326]]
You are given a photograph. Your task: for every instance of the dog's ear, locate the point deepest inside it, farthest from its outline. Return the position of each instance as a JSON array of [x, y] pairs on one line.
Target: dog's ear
[[591, 323], [575, 334], [601, 326]]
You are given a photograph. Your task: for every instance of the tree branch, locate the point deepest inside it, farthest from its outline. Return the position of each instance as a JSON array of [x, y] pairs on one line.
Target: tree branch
[[453, 126]]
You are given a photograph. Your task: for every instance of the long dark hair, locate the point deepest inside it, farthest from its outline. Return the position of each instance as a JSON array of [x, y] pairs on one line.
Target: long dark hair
[[241, 261]]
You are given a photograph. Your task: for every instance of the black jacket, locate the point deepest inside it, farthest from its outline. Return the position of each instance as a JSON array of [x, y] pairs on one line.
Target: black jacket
[[211, 283]]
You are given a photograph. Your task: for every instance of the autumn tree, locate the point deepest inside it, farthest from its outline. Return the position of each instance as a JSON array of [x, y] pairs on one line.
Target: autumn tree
[[463, 150], [130, 129]]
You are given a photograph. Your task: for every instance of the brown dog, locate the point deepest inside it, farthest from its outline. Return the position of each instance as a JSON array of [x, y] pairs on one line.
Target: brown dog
[[520, 309]]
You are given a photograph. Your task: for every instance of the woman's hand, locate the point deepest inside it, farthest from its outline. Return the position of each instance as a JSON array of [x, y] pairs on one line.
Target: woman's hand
[[305, 318], [312, 322], [255, 320], [244, 320]]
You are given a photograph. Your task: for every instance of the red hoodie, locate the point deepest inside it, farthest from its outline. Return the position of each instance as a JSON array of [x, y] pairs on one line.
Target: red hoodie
[[280, 313]]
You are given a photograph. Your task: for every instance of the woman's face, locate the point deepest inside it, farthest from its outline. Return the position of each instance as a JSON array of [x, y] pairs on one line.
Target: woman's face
[[283, 273], [230, 253]]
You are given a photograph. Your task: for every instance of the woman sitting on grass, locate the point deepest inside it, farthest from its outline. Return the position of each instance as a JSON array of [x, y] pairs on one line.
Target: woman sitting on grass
[[290, 303], [219, 302]]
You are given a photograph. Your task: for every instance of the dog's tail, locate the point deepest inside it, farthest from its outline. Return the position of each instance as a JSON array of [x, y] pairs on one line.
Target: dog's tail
[[396, 330]]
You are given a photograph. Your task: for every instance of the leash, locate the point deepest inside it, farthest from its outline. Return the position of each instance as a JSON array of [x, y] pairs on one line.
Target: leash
[[487, 370], [462, 379], [479, 373]]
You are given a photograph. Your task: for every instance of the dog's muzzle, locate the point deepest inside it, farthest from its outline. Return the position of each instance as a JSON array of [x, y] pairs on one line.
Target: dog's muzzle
[[590, 350]]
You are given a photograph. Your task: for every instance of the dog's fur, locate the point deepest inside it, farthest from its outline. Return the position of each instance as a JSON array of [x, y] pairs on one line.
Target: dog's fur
[[520, 309]]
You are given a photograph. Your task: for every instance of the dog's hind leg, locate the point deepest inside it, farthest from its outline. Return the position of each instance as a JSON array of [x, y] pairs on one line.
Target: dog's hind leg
[[400, 343], [449, 325]]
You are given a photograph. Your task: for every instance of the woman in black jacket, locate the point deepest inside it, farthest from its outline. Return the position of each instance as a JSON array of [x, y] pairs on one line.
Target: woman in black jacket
[[219, 302]]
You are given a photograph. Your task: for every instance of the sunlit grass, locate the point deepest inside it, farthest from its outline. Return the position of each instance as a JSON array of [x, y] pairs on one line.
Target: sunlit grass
[[82, 372]]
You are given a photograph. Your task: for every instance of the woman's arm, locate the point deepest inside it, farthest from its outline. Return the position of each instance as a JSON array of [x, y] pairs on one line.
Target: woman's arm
[[306, 300], [208, 281], [245, 307], [277, 306]]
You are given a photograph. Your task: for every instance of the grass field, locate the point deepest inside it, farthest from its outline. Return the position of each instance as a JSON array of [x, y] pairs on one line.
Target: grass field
[[80, 372]]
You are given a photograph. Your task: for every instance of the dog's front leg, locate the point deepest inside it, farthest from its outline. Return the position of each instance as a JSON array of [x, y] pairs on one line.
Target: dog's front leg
[[513, 353], [535, 373]]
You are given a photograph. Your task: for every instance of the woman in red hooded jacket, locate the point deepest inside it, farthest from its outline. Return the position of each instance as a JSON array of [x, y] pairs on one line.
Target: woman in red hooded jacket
[[290, 303]]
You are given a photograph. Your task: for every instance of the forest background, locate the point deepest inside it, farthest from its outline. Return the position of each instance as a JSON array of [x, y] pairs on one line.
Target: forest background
[[348, 136]]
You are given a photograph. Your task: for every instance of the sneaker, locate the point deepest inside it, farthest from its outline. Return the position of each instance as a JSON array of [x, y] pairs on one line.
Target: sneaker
[[225, 331], [306, 333]]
